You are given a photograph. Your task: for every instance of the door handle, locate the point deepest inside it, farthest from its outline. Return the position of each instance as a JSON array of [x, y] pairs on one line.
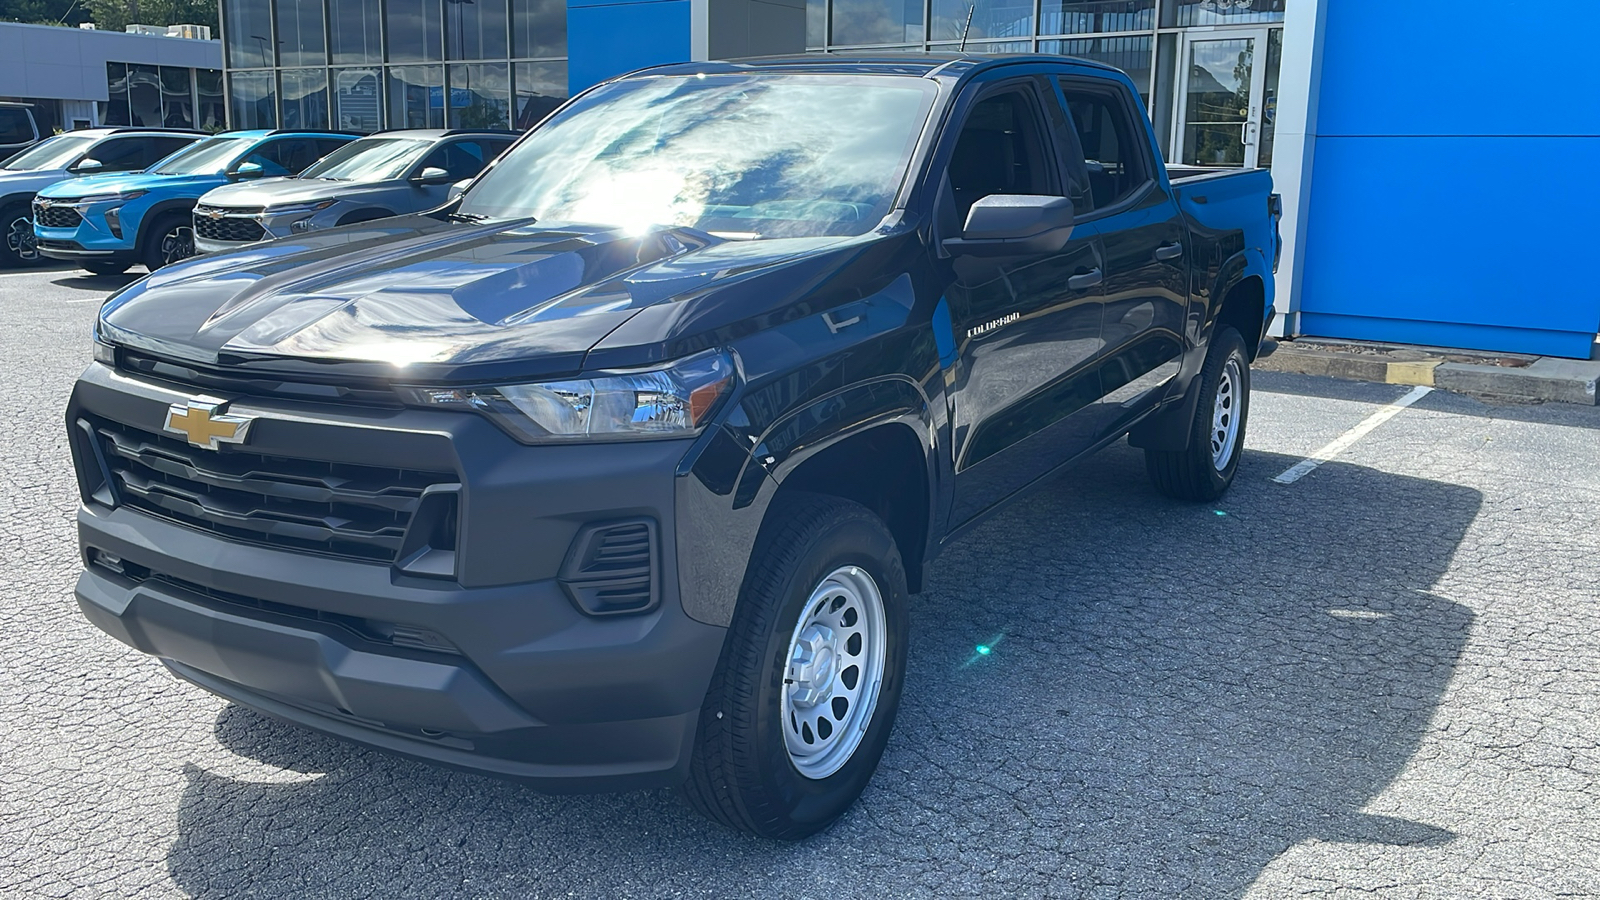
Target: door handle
[[1087, 280], [1169, 251]]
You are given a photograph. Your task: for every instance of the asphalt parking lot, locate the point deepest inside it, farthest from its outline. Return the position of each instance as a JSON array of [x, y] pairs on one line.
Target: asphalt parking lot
[[1380, 680]]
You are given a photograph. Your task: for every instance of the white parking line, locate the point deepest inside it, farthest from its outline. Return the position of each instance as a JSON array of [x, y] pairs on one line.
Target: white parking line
[[1342, 442]]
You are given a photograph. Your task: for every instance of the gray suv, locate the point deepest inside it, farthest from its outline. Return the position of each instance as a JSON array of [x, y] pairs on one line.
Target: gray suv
[[387, 174]]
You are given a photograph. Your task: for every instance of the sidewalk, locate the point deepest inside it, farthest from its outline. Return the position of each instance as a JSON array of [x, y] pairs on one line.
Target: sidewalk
[[1499, 376]]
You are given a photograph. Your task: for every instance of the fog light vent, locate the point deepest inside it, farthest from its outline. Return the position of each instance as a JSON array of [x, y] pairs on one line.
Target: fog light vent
[[612, 568]]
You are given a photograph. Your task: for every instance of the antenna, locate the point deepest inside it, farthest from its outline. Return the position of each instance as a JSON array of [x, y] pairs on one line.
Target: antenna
[[966, 28]]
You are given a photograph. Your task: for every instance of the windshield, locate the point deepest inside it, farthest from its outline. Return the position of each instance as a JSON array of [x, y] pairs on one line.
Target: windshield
[[369, 159], [208, 157], [774, 156], [54, 153]]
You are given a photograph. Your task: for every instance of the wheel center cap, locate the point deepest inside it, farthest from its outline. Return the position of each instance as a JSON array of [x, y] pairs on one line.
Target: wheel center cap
[[813, 666]]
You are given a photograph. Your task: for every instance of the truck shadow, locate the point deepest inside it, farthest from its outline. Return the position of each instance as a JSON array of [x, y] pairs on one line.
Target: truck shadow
[[1172, 696]]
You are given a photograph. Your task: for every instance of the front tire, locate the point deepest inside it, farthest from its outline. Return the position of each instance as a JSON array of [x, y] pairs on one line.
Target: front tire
[[804, 697], [170, 240], [1206, 468], [18, 247]]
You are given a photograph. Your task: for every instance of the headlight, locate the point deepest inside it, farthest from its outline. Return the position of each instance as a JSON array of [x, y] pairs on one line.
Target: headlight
[[297, 208], [669, 402], [121, 197]]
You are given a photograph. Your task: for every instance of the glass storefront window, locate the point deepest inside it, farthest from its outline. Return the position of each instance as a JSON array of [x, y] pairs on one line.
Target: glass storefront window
[[1096, 16], [1217, 102], [480, 96], [300, 38], [305, 98], [1269, 102], [248, 25], [540, 88], [415, 29], [144, 95], [876, 21], [990, 19], [816, 23], [253, 100], [475, 29], [984, 47], [114, 111], [357, 100], [177, 101], [1185, 13], [354, 39], [538, 29], [213, 115], [1130, 54], [416, 96]]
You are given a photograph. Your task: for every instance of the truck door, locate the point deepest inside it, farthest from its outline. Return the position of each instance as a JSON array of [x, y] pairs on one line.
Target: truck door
[[1146, 246], [1027, 328]]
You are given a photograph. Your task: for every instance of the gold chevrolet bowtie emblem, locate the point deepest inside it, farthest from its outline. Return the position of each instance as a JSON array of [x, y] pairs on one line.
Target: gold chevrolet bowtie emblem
[[206, 425]]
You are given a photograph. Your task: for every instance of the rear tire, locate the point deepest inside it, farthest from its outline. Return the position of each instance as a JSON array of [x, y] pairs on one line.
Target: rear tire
[[169, 240], [1216, 436], [795, 721], [17, 246]]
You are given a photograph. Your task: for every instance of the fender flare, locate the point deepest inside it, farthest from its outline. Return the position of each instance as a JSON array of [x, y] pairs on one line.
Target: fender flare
[[156, 211], [722, 527]]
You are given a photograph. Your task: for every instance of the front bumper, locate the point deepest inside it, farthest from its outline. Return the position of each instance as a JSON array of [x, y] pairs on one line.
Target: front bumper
[[92, 237], [522, 683], [272, 227]]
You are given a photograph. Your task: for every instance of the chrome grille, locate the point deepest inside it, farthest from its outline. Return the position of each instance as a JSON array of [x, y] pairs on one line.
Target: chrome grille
[[226, 228]]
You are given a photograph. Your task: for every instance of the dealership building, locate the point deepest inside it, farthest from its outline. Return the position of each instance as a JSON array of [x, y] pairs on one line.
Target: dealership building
[[1436, 189]]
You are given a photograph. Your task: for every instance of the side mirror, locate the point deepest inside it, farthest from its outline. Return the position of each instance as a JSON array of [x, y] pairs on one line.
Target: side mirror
[[249, 170], [88, 166], [458, 188], [1014, 225], [432, 175]]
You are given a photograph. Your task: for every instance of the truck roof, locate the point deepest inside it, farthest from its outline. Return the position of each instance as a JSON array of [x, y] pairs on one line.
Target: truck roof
[[927, 65]]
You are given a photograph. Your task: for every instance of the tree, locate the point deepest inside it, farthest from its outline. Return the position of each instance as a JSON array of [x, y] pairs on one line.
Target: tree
[[44, 12], [115, 15]]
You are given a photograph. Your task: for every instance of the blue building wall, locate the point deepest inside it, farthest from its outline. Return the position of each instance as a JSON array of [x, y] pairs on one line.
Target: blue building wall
[[609, 37], [1453, 189]]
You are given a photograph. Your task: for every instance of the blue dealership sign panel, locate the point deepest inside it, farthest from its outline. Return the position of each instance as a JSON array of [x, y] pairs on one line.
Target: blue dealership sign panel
[[1452, 190], [606, 38]]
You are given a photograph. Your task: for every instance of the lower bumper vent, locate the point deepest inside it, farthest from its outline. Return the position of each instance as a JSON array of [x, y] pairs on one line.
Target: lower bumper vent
[[612, 568]]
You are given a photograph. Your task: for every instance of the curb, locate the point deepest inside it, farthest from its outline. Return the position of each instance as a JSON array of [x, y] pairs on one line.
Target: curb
[[1543, 380]]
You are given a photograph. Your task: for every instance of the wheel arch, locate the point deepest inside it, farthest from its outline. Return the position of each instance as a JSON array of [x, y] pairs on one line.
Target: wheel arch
[[364, 214]]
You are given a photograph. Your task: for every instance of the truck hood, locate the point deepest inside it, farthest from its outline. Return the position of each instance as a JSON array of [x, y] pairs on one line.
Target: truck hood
[[419, 298], [283, 191], [131, 181]]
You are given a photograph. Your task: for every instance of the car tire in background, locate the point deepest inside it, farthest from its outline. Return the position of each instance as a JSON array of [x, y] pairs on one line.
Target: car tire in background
[[1216, 438], [805, 694], [169, 239], [105, 268], [16, 237]]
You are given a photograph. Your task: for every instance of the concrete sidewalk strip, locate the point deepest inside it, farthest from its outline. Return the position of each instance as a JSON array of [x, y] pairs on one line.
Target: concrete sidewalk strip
[[1536, 379]]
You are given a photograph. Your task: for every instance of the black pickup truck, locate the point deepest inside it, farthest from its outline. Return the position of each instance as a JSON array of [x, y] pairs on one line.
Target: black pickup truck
[[620, 469]]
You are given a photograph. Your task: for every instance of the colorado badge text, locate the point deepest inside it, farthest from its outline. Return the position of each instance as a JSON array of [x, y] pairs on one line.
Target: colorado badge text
[[206, 425]]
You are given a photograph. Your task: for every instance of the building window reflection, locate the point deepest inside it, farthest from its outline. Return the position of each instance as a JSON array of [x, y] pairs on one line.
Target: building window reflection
[[355, 26], [247, 25], [300, 38], [540, 88], [414, 30], [114, 111], [989, 19], [538, 29], [480, 96], [877, 21], [177, 98], [475, 29], [305, 98], [416, 96], [253, 101], [358, 99]]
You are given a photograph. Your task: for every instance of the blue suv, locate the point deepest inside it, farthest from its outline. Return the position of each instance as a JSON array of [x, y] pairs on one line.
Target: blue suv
[[106, 223]]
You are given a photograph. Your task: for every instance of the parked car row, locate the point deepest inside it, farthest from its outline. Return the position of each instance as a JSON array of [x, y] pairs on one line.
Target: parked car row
[[111, 198]]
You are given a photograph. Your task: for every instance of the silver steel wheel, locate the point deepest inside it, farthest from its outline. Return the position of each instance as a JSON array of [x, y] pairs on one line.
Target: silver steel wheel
[[177, 244], [20, 240], [1225, 415], [834, 672]]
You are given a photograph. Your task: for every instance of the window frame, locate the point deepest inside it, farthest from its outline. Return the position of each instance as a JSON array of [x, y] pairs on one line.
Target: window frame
[[1138, 143], [936, 180]]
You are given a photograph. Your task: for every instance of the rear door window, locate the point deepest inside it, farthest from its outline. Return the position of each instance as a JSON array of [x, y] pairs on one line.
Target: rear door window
[[1117, 164]]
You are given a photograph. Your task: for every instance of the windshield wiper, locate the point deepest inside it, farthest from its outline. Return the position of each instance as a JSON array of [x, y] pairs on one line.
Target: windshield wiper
[[470, 218]]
